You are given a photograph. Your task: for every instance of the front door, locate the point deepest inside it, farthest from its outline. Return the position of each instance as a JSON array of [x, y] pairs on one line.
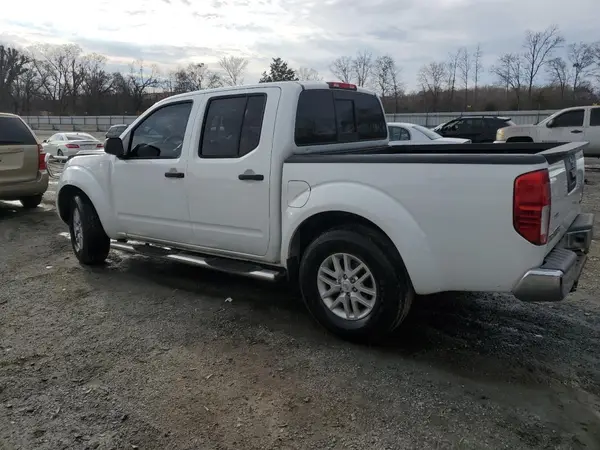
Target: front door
[[230, 175], [567, 127], [148, 185]]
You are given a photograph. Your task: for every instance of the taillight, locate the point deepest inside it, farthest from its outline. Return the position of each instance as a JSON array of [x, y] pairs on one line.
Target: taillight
[[100, 145], [339, 85], [41, 158], [531, 206], [72, 146]]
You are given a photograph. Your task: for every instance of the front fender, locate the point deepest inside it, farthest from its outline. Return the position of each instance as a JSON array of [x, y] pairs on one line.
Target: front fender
[[381, 209], [83, 179]]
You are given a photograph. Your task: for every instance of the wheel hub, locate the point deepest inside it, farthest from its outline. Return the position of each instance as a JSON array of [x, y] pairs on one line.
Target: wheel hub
[[347, 286]]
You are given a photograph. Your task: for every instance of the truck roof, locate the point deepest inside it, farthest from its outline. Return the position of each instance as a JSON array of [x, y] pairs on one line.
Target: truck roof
[[281, 84]]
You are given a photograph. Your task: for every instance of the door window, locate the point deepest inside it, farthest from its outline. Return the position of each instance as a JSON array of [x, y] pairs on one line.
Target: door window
[[160, 135], [569, 119], [399, 134], [595, 117], [232, 126]]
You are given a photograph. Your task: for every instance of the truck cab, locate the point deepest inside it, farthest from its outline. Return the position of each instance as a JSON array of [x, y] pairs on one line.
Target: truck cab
[[576, 124]]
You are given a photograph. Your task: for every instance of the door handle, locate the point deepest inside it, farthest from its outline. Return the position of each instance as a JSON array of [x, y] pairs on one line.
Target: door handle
[[576, 131], [174, 175], [251, 176]]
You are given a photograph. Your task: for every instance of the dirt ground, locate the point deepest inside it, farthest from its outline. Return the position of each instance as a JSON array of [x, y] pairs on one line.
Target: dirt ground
[[151, 355]]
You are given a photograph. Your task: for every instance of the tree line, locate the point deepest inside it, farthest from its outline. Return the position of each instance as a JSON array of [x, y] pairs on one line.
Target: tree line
[[547, 73]]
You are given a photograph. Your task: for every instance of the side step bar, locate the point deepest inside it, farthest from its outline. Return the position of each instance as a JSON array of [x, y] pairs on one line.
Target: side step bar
[[209, 262]]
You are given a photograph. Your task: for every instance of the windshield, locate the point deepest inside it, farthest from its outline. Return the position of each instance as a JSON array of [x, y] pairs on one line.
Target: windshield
[[427, 132]]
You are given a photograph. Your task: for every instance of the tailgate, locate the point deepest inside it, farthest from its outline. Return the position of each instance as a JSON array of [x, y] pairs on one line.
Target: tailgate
[[567, 173], [18, 151], [18, 163]]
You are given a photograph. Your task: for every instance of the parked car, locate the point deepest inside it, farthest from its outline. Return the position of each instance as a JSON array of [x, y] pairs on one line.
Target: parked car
[[476, 128], [23, 174], [296, 180], [580, 123], [67, 144], [402, 133], [116, 130]]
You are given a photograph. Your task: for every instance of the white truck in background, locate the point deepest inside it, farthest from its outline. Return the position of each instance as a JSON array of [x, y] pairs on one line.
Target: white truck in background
[[577, 124], [297, 180]]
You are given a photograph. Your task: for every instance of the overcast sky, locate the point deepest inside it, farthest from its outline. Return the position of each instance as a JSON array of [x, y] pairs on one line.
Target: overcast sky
[[305, 33]]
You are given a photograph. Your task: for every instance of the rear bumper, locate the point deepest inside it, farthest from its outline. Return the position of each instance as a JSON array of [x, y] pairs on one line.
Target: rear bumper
[[559, 274], [17, 191]]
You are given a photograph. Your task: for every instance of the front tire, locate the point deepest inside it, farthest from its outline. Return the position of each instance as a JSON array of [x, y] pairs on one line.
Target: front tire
[[353, 286], [88, 239], [31, 202]]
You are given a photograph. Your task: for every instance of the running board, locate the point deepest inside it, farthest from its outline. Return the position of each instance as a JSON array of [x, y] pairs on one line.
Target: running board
[[209, 262]]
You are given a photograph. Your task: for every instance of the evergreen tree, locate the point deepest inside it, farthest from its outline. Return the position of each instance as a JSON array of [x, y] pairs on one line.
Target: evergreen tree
[[278, 71]]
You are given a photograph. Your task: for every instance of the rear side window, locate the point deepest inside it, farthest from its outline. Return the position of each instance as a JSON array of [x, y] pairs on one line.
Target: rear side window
[[595, 117], [232, 126], [329, 116], [14, 131]]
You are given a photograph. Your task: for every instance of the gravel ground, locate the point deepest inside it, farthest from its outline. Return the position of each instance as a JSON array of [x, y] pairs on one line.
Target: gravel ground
[[150, 355]]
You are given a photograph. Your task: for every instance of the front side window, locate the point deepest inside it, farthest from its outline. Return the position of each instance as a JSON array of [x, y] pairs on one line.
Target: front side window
[[232, 126], [595, 117], [569, 119], [160, 135], [399, 134]]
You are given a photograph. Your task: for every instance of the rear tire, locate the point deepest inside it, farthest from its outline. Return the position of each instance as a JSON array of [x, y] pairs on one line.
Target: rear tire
[[361, 311], [88, 239], [59, 153], [32, 201]]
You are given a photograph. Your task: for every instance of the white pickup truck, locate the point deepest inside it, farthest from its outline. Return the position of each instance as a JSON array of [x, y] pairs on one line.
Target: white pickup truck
[[577, 124], [297, 179]]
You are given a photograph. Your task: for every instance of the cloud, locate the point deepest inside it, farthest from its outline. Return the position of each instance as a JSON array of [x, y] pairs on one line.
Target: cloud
[[309, 33]]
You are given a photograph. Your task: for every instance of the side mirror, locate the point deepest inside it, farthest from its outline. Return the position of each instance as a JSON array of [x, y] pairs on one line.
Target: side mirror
[[114, 146], [550, 123]]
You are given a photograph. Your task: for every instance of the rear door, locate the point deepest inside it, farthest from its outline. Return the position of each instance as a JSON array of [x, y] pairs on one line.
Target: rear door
[[19, 159], [566, 182]]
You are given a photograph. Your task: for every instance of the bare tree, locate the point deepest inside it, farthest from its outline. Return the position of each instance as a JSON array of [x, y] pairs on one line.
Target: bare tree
[[61, 72], [138, 81], [308, 74], [510, 72], [13, 65], [195, 77], [539, 47], [465, 64], [234, 68], [396, 83], [362, 66], [342, 68], [431, 78], [97, 82], [581, 58], [382, 74], [451, 69], [559, 74], [477, 68]]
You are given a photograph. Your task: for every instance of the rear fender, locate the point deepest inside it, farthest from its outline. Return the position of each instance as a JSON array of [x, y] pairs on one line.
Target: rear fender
[[83, 179], [382, 210]]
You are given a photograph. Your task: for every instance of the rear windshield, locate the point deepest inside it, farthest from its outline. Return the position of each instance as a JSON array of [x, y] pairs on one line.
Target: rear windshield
[[78, 137], [14, 131], [330, 116]]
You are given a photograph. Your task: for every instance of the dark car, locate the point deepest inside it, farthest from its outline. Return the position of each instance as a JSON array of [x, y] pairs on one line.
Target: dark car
[[476, 128], [116, 130]]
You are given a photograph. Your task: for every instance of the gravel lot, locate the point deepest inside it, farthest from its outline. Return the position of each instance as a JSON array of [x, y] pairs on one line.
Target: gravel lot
[[150, 355]]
